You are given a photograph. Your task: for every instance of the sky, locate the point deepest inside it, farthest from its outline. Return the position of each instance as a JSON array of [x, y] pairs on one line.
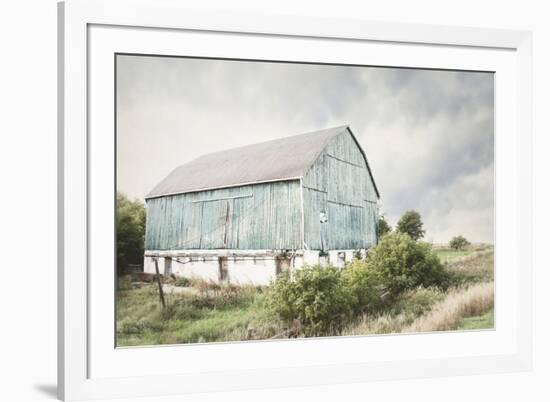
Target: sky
[[428, 135]]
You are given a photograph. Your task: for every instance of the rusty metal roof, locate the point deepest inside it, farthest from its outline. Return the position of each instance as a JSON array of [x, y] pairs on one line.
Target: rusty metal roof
[[276, 160]]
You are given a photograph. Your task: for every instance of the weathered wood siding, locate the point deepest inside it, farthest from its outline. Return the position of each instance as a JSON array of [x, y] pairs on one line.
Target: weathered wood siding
[[261, 216], [339, 185]]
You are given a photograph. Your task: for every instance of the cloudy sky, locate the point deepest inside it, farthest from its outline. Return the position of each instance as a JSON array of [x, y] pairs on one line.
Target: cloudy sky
[[428, 135]]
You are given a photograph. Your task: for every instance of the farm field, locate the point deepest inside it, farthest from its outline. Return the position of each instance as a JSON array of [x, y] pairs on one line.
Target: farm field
[[197, 311]]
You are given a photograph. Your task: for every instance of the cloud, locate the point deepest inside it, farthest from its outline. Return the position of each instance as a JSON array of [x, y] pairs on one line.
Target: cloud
[[428, 134]]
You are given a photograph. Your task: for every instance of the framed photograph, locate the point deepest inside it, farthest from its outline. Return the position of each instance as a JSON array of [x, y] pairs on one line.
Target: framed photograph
[[255, 201]]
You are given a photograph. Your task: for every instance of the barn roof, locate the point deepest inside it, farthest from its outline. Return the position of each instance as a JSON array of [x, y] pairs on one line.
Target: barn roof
[[276, 160]]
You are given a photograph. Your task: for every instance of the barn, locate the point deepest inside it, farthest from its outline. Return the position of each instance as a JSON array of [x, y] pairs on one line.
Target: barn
[[245, 214]]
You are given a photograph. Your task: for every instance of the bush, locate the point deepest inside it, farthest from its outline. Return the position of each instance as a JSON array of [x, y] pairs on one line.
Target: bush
[[366, 286], [404, 264], [321, 299], [315, 296], [459, 243]]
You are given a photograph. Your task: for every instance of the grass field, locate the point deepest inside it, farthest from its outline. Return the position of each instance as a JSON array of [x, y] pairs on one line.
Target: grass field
[[213, 313], [486, 320], [447, 254], [236, 313]]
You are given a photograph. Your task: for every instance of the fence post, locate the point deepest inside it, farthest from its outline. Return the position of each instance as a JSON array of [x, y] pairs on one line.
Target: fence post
[[162, 301]]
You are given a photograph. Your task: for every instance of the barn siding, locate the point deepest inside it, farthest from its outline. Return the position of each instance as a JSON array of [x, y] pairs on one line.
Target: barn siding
[[269, 215], [262, 216], [339, 184]]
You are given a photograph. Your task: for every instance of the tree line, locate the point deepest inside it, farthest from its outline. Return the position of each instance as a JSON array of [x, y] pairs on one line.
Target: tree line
[[411, 224]]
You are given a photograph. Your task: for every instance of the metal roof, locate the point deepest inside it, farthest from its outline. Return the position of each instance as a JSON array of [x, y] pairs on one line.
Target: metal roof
[[276, 160]]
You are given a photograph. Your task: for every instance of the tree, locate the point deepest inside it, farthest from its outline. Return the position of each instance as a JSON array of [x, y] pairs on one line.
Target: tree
[[459, 243], [383, 226], [411, 224], [130, 229]]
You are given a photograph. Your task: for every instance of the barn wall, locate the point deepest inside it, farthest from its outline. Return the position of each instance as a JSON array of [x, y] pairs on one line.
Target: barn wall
[[261, 216], [339, 184], [257, 267], [240, 270]]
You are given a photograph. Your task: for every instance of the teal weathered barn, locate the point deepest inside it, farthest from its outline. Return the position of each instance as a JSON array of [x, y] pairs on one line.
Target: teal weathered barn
[[247, 213]]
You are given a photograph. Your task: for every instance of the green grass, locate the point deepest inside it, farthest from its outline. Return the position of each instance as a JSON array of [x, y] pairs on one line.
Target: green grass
[[226, 314], [475, 267], [448, 254], [484, 321]]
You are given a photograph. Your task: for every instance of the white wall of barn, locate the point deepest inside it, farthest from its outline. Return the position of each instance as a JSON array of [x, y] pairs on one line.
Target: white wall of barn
[[241, 270], [243, 267]]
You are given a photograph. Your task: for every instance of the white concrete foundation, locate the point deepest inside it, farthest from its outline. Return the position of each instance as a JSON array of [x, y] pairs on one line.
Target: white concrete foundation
[[257, 267]]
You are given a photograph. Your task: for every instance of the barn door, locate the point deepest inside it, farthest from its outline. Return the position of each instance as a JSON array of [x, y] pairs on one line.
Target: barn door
[[167, 266], [216, 224], [223, 269]]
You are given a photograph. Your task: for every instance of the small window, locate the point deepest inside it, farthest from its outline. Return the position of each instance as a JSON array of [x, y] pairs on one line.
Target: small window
[[282, 264]]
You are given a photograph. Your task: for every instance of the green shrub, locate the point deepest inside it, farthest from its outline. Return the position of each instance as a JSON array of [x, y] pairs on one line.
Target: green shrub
[[366, 285], [315, 296], [405, 264]]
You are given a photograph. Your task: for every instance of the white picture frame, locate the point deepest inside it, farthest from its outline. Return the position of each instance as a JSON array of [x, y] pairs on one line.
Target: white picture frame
[[90, 32]]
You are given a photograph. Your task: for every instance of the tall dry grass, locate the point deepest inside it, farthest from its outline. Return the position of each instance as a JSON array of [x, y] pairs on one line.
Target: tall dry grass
[[483, 258], [459, 304], [477, 267], [443, 315]]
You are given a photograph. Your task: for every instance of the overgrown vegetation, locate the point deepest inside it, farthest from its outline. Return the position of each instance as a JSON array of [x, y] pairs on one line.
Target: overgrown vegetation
[[405, 309], [130, 228], [213, 313], [324, 299], [315, 297], [426, 310], [471, 301], [403, 285]]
